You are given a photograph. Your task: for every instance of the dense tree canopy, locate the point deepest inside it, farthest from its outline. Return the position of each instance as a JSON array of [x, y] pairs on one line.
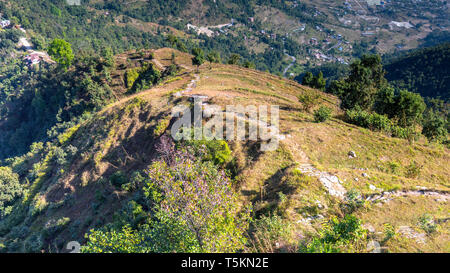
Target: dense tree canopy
[[424, 71], [61, 51], [365, 79], [10, 189]]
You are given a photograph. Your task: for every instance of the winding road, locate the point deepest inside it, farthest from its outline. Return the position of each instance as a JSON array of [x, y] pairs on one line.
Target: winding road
[[294, 60]]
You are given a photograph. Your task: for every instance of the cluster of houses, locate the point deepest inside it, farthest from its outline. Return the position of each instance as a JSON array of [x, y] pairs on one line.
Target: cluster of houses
[[32, 57]]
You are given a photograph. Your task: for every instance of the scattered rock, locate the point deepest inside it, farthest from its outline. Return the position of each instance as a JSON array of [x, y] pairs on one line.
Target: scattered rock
[[374, 247], [332, 184], [410, 233], [372, 187], [315, 217], [356, 179], [369, 228], [388, 196], [351, 154], [365, 175]]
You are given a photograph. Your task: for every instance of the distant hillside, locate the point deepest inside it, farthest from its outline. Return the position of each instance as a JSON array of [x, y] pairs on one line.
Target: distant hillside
[[264, 32], [425, 71]]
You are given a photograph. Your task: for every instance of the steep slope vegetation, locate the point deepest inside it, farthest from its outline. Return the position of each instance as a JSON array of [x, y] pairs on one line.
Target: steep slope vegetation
[[74, 183]]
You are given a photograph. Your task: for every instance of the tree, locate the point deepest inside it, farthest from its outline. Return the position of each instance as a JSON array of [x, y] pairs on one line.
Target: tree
[[199, 197], [409, 108], [365, 79], [248, 64], [385, 101], [10, 190], [213, 57], [234, 59], [172, 39], [434, 128], [61, 51], [108, 56], [173, 58], [319, 82], [337, 88], [199, 57]]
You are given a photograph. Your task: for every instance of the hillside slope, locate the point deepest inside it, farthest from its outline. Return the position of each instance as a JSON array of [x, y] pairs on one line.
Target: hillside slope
[[423, 71], [306, 180]]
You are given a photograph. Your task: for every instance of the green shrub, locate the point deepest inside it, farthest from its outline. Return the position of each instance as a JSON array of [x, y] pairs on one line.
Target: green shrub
[[399, 132], [118, 179], [413, 170], [34, 243], [268, 231], [406, 133], [338, 236], [125, 240], [131, 76], [161, 127], [144, 77], [136, 181], [389, 232], [216, 151], [394, 167], [322, 114], [220, 151], [299, 180], [358, 117], [353, 201], [60, 156], [377, 122], [132, 214], [309, 100], [434, 128], [426, 222], [54, 226], [68, 134], [374, 121]]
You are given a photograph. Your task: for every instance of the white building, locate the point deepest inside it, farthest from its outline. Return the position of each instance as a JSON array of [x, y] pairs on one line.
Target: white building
[[5, 23]]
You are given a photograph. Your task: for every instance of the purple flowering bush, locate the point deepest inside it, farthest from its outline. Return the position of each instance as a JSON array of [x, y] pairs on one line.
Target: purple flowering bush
[[191, 207], [199, 197]]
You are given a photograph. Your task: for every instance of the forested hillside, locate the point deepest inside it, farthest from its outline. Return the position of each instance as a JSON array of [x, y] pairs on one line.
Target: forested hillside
[[425, 71]]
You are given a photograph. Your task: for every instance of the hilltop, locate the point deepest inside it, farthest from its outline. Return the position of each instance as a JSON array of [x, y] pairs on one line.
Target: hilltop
[[75, 182]]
